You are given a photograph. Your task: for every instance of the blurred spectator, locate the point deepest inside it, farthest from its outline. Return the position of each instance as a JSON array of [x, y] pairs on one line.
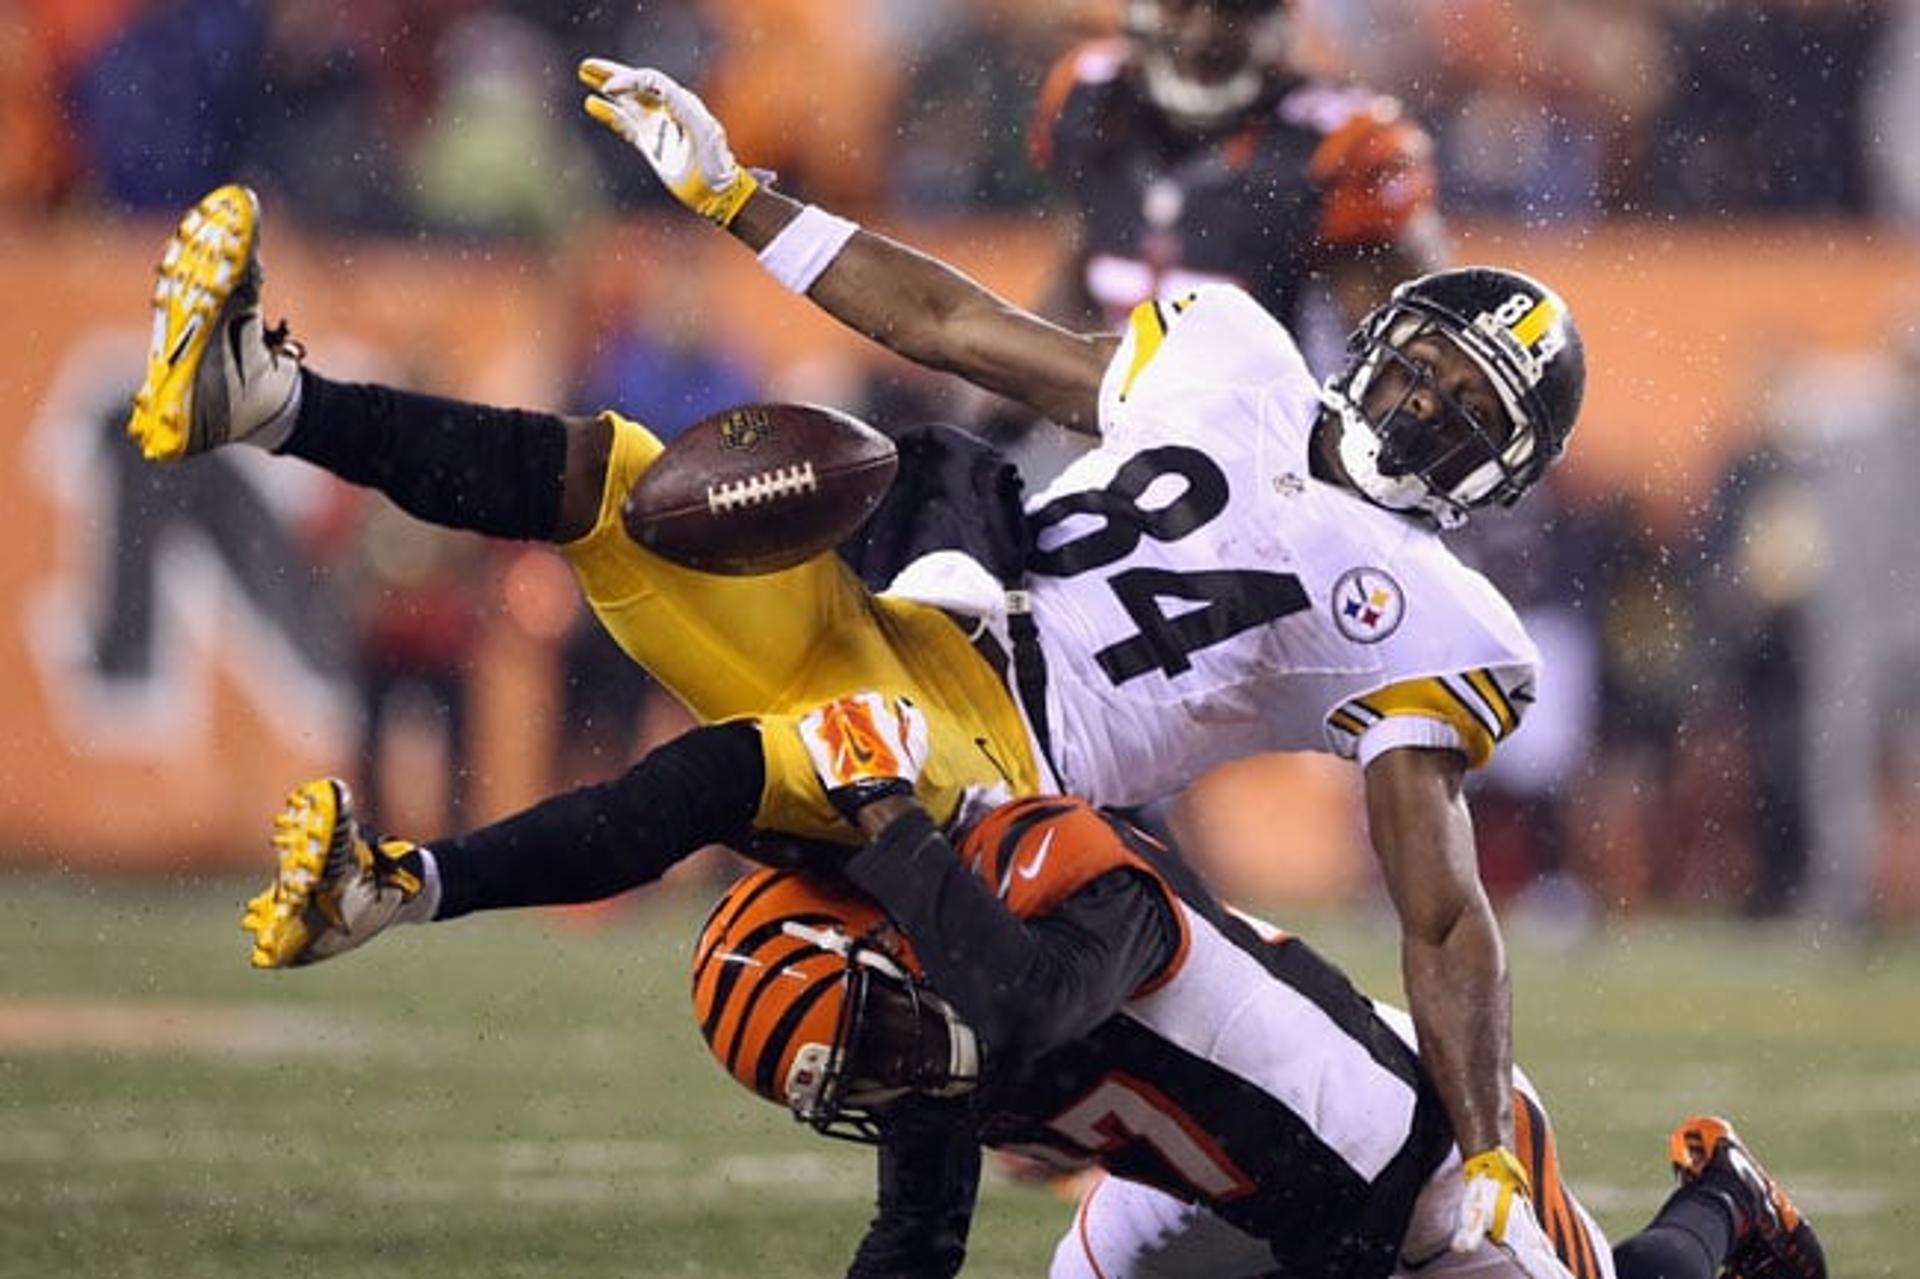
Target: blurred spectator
[[316, 134], [495, 159], [1893, 115], [1648, 683], [1763, 551], [1539, 103], [650, 354], [162, 108], [1853, 420], [419, 597], [1764, 111], [651, 350], [808, 88], [35, 166], [1528, 102], [960, 141], [1548, 559]]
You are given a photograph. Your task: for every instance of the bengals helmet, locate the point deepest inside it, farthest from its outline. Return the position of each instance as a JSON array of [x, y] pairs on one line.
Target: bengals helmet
[[808, 996], [1204, 62], [1519, 333]]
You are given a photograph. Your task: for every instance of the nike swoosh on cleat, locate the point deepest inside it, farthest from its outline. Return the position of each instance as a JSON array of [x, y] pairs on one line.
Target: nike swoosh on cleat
[[233, 345], [186, 336]]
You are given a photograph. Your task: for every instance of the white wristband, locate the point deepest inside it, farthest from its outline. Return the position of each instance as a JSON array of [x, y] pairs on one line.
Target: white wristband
[[805, 247]]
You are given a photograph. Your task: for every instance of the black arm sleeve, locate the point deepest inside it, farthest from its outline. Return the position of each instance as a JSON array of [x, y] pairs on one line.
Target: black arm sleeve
[[701, 788], [466, 466], [1025, 986], [929, 1175]]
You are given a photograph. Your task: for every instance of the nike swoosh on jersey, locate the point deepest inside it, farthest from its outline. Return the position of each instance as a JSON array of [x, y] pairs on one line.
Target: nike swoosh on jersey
[[1030, 869]]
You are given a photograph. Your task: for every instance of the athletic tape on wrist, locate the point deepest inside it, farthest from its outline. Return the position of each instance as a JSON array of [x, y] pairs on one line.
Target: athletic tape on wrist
[[806, 246]]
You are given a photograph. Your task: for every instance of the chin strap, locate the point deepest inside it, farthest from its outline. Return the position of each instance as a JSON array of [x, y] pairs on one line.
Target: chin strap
[[963, 1057]]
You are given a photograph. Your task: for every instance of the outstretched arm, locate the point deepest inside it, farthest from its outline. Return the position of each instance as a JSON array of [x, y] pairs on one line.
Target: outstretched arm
[[908, 302], [921, 308], [1452, 960], [1455, 970]]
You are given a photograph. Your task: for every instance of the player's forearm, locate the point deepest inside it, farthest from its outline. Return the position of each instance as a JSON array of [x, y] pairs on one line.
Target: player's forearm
[[923, 310], [1453, 963], [886, 291], [929, 1172], [1460, 998], [1025, 986]]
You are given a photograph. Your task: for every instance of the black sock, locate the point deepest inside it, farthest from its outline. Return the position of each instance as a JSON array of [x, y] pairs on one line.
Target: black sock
[[701, 788], [1689, 1238], [465, 466]]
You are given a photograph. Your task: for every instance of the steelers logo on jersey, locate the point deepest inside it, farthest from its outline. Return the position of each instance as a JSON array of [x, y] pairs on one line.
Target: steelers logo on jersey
[[1368, 605]]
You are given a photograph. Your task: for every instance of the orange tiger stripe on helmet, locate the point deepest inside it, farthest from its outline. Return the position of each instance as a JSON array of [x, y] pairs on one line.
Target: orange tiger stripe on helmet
[[759, 993]]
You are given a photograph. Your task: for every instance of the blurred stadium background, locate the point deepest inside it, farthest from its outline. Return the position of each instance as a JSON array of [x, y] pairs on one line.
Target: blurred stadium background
[[1704, 841]]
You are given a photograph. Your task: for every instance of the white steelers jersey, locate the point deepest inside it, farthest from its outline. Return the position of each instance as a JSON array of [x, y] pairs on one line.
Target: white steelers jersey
[[1201, 597]]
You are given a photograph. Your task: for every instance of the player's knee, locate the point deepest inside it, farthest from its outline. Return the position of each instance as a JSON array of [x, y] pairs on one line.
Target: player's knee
[[584, 480]]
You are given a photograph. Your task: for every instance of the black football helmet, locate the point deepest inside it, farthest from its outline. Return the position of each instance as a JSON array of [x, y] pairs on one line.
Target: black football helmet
[[1517, 332], [1202, 77]]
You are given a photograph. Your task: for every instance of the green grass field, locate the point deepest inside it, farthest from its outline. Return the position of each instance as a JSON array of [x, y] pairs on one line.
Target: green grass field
[[527, 1095]]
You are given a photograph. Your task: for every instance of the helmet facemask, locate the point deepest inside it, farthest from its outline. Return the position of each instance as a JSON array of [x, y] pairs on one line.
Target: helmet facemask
[[894, 1038], [1442, 468]]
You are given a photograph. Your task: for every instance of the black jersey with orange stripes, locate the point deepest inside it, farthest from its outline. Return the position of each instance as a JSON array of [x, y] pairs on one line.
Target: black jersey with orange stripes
[[1245, 1073], [1309, 169]]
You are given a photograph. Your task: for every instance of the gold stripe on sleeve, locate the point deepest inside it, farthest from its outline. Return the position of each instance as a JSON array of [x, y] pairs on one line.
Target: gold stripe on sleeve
[[1433, 699], [1489, 688], [1149, 330]]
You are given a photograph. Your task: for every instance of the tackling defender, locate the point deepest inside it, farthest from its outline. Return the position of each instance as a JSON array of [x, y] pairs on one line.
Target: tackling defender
[[1060, 984], [1246, 562]]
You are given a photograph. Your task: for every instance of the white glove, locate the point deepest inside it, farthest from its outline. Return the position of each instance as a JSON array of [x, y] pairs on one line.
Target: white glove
[[864, 747], [669, 125], [1498, 1210]]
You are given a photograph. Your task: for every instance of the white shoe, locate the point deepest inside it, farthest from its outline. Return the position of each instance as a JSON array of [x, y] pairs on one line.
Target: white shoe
[[215, 373], [336, 888]]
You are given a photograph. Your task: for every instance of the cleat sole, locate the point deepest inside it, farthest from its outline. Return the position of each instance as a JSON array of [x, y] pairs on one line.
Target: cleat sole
[[208, 257], [279, 918]]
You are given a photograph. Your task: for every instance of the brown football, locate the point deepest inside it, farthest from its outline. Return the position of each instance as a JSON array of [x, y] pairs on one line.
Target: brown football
[[760, 488]]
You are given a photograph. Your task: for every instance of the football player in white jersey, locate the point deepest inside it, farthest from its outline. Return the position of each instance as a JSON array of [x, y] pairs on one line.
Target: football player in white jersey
[[1246, 562]]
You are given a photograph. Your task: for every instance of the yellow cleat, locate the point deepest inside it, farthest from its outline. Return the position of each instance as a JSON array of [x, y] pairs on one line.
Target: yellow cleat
[[214, 372], [335, 889]]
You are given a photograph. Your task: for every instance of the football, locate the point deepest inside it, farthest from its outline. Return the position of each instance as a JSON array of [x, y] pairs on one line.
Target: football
[[760, 487]]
